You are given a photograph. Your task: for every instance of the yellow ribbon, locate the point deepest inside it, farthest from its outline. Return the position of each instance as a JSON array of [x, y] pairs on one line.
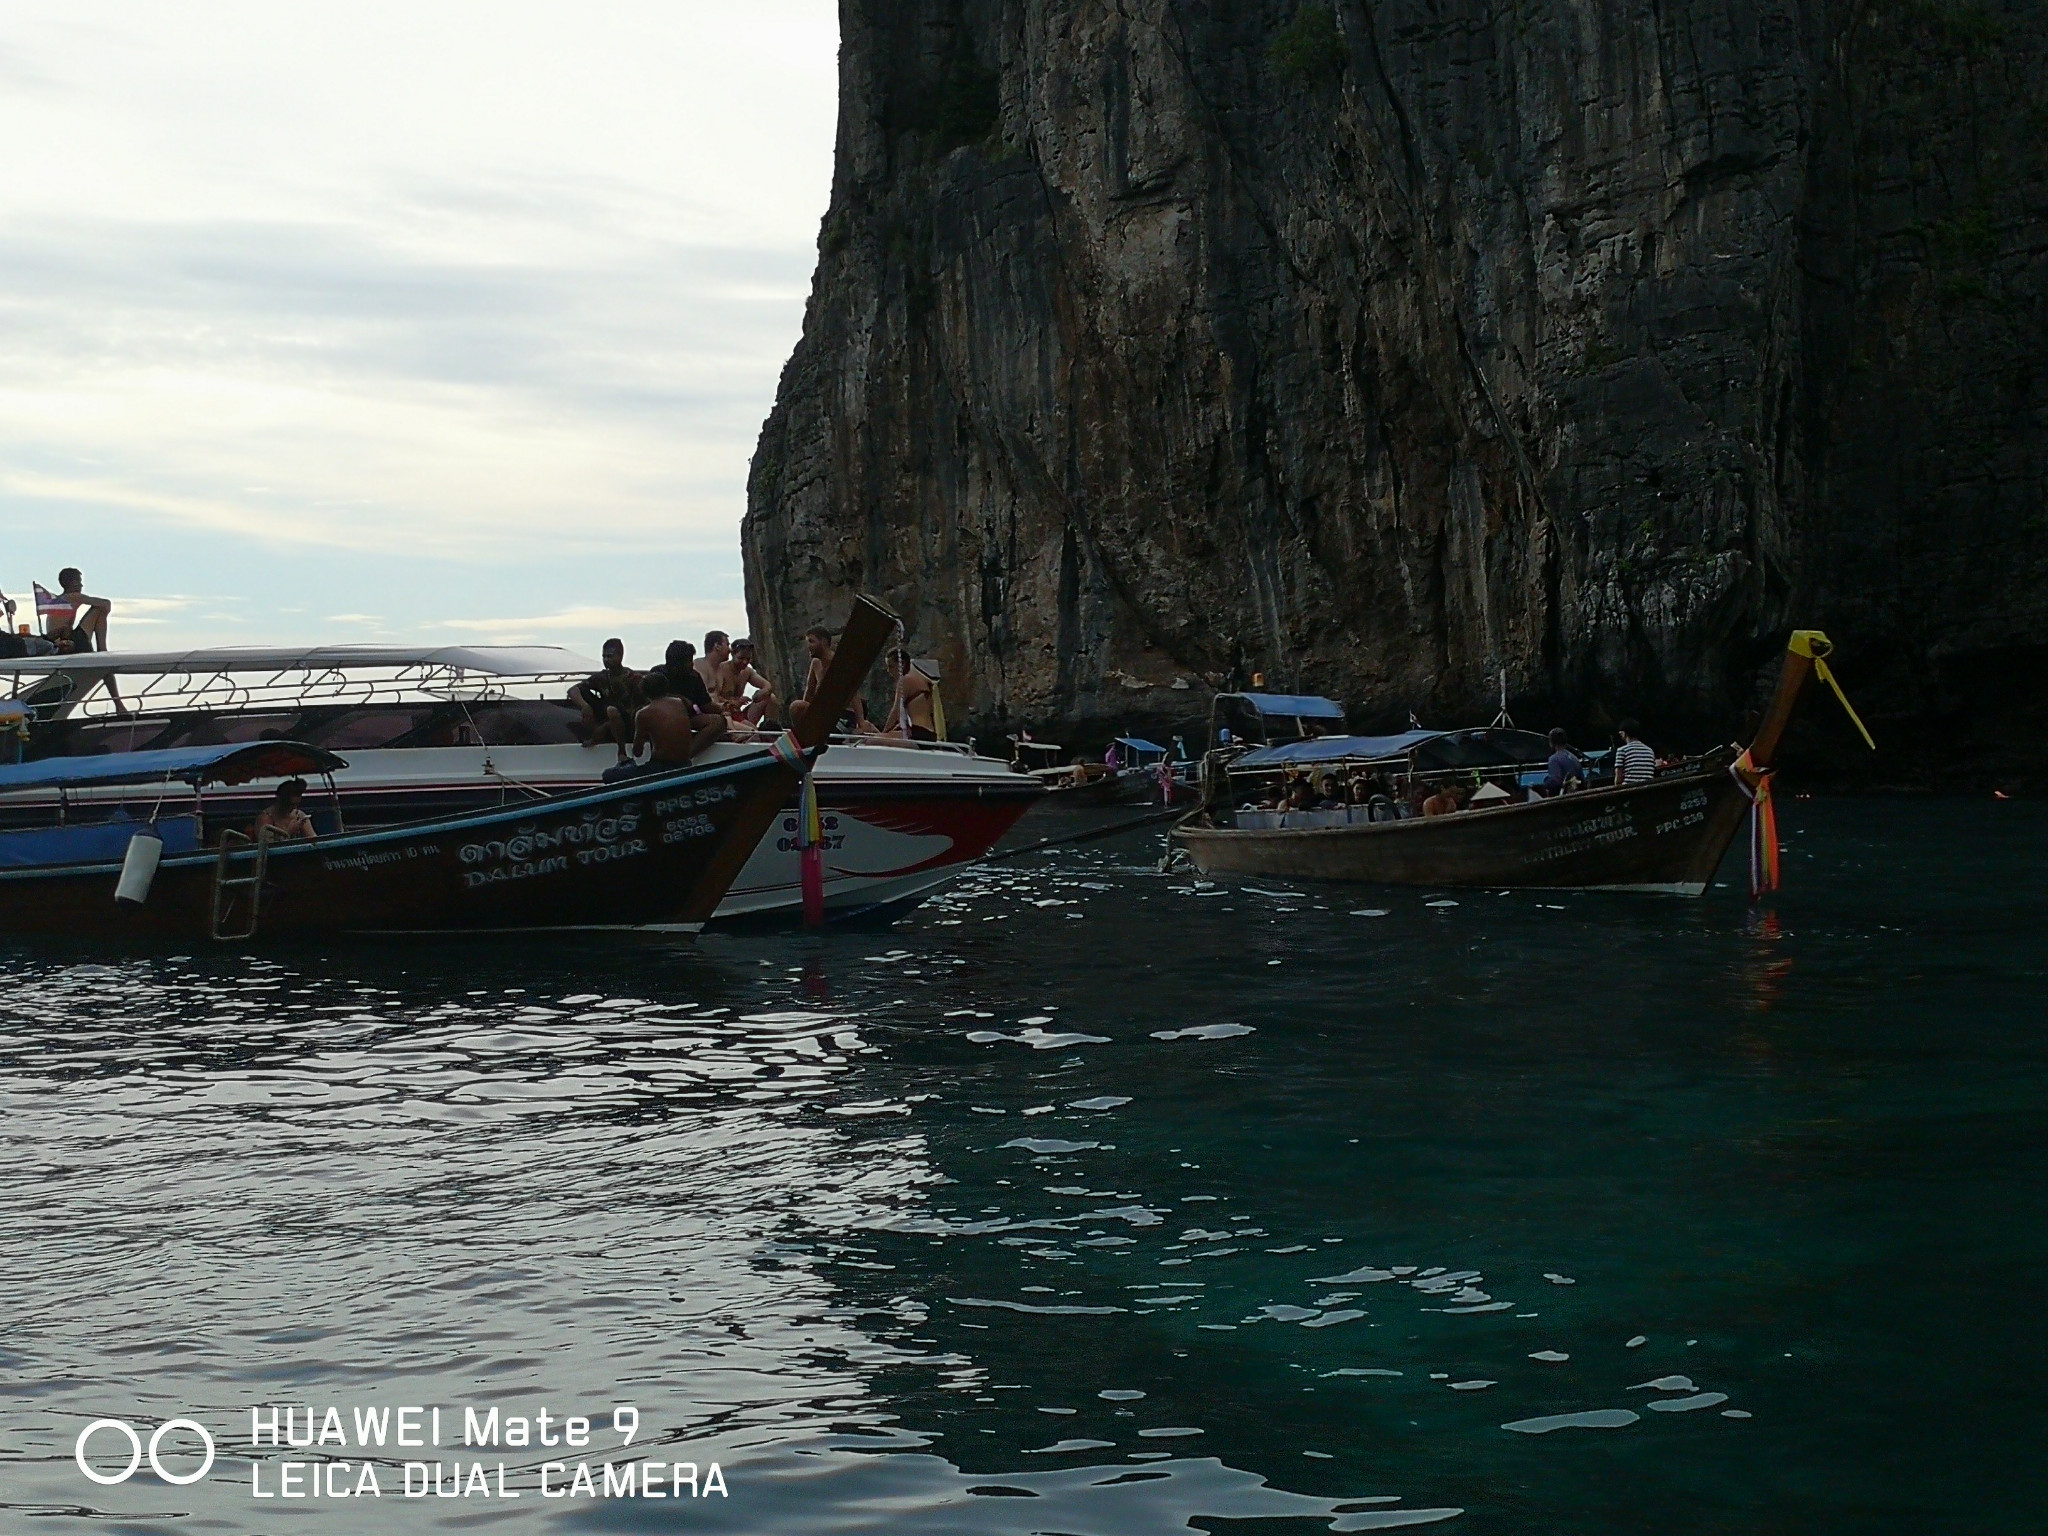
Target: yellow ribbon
[[1817, 647]]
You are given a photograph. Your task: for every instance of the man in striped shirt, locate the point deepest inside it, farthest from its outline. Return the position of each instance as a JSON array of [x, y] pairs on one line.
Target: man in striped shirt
[[1634, 762]]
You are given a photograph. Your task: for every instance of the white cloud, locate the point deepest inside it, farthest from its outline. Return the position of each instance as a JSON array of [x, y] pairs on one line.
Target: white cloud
[[494, 293]]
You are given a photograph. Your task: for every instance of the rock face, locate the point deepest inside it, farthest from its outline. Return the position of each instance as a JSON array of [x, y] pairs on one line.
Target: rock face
[[1380, 348]]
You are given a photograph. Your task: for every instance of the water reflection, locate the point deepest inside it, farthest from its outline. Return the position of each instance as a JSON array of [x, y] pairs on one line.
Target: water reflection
[[1085, 1199]]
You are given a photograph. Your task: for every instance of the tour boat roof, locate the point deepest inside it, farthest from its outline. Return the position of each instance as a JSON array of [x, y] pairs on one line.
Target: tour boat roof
[[1299, 706], [237, 678], [235, 764], [1487, 748], [487, 660]]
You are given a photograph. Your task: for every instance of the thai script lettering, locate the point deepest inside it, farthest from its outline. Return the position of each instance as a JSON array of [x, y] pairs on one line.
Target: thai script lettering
[[366, 860], [595, 829]]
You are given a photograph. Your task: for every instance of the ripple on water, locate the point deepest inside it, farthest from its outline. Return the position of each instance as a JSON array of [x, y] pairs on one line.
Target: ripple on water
[[1038, 1039], [1593, 1418], [1687, 1404]]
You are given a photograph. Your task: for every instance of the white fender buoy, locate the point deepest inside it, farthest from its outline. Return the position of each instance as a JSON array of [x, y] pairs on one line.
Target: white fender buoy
[[138, 866]]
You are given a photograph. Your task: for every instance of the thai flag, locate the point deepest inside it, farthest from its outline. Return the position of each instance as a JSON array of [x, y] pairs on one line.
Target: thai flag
[[49, 605]]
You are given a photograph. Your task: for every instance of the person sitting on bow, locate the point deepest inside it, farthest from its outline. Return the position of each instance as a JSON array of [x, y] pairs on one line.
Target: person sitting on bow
[[670, 728], [609, 699]]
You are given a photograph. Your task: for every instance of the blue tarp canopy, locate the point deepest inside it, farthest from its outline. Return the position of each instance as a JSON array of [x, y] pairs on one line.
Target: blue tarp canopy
[[233, 764], [1140, 744], [1302, 706], [1330, 749], [99, 842]]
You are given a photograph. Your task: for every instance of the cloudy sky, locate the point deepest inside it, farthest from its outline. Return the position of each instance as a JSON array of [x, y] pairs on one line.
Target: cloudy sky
[[432, 320]]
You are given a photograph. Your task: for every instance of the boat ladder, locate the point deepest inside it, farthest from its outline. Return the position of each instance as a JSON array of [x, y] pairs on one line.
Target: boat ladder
[[227, 900]]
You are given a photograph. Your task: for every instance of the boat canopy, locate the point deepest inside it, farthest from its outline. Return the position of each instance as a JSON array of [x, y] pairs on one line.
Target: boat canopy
[[95, 842], [1260, 719], [485, 660], [1331, 749], [1435, 750], [1140, 744], [237, 679], [194, 765], [1299, 706]]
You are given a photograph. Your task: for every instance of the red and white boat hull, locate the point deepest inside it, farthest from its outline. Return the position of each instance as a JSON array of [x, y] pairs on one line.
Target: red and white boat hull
[[899, 819]]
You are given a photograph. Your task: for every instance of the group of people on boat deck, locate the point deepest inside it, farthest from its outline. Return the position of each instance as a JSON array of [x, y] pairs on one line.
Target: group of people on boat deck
[[665, 716], [73, 621], [1399, 797]]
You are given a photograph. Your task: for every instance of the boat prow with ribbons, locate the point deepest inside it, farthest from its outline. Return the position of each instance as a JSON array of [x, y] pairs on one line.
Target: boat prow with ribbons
[[1665, 835]]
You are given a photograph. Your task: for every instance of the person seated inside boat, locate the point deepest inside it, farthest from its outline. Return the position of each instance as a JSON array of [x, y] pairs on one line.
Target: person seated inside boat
[[285, 817], [734, 677], [609, 699], [1634, 762], [1300, 797], [1444, 802], [669, 729], [1332, 796], [1564, 771]]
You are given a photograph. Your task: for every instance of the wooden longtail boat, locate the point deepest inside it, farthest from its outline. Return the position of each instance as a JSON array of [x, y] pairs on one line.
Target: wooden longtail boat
[[1668, 835], [658, 851]]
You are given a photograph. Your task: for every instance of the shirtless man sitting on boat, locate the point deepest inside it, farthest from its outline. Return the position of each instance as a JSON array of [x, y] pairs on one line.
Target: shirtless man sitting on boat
[[1443, 803], [717, 649], [69, 628], [731, 682], [818, 641], [670, 728]]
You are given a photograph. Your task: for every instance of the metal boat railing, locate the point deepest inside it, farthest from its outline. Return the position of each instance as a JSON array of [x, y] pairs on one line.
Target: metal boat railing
[[233, 690]]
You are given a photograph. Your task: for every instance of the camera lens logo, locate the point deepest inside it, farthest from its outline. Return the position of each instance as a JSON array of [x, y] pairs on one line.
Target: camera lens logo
[[135, 1451]]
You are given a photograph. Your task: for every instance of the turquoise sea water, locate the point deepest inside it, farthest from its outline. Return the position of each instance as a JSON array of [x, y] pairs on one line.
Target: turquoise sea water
[[1084, 1200]]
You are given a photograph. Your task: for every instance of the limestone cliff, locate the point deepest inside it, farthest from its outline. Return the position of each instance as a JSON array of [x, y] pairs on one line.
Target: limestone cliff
[[1380, 347]]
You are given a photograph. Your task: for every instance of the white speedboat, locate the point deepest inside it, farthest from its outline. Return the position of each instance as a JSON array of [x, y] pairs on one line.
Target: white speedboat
[[435, 731]]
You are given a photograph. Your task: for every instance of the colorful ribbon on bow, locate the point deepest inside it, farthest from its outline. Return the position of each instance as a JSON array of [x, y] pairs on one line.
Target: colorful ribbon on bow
[[1755, 782], [810, 841]]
